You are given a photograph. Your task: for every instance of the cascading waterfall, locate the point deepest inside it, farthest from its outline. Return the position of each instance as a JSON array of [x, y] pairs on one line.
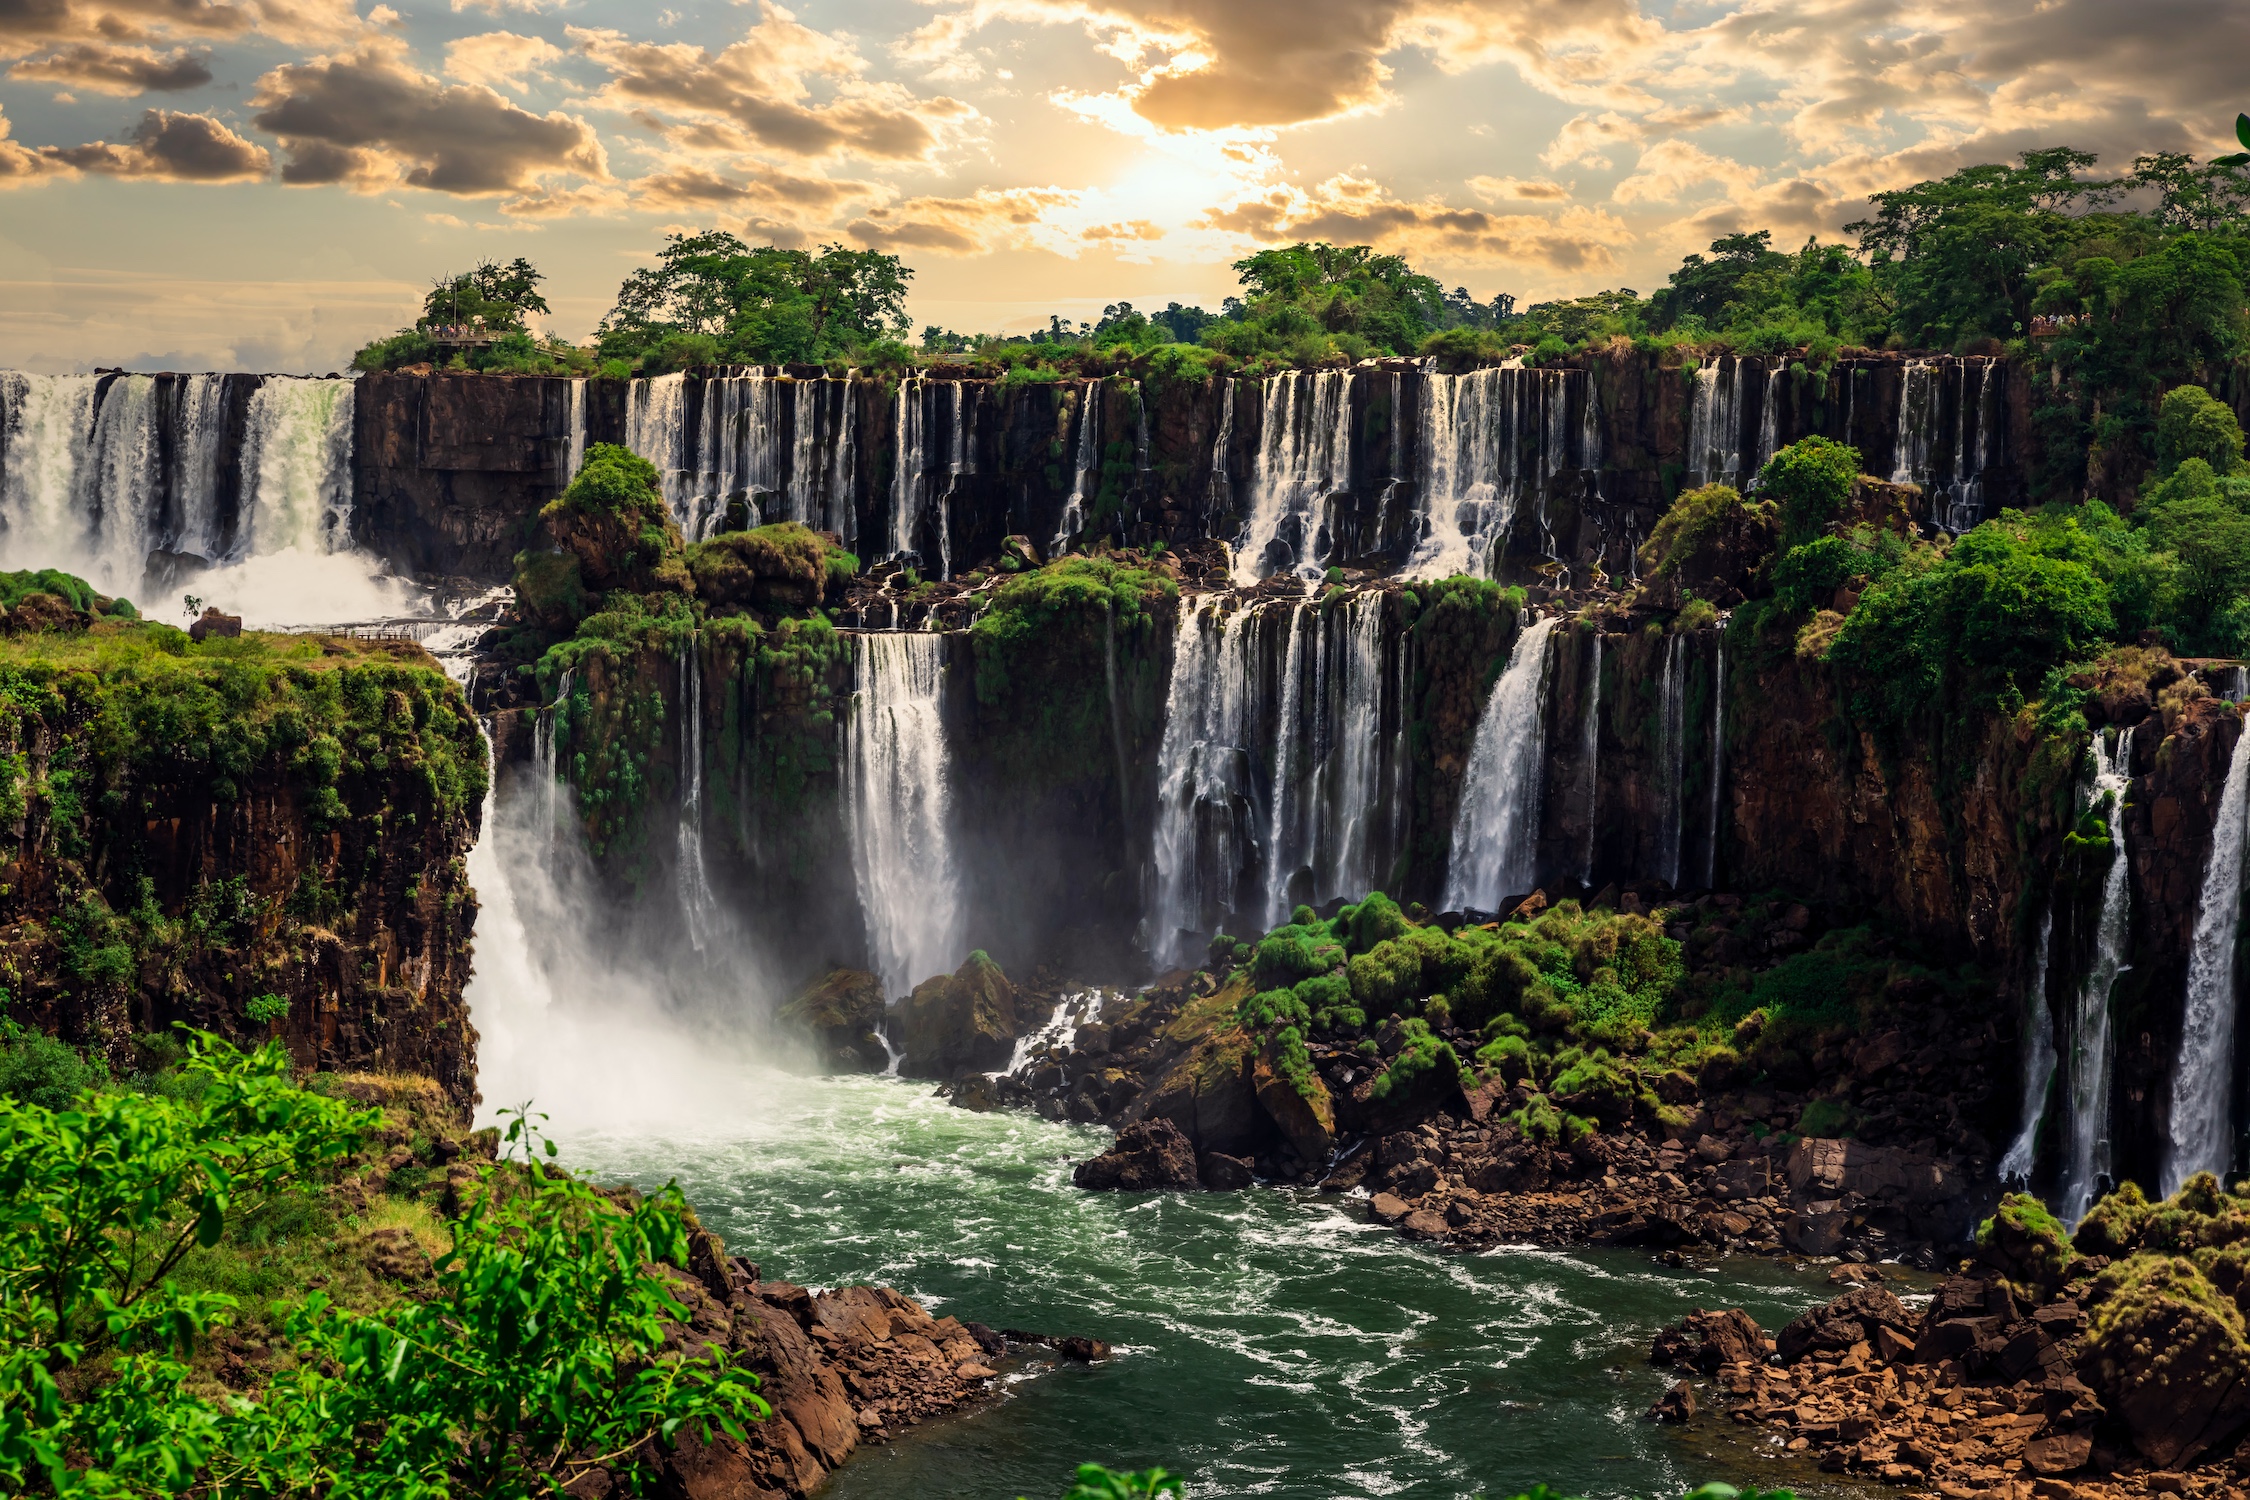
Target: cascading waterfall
[[1287, 838], [2038, 1062], [780, 445], [1086, 471], [1352, 772], [547, 785], [1718, 756], [1917, 423], [1496, 833], [696, 900], [1590, 754], [2202, 1121], [1221, 498], [1672, 749], [1203, 831], [575, 458], [1972, 449], [1769, 419], [1304, 456], [916, 483], [2090, 1041], [1116, 717], [1474, 471], [99, 472], [1715, 422], [898, 808]]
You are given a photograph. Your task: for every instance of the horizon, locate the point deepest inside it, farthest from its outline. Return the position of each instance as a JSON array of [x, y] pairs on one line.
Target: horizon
[[265, 186]]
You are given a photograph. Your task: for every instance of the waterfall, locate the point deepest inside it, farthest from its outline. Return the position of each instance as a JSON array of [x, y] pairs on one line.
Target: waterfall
[[779, 445], [897, 807], [1221, 498], [1287, 839], [1304, 456], [1715, 423], [99, 472], [1475, 473], [1397, 475], [1972, 454], [575, 458], [914, 483], [2090, 1042], [1203, 831], [1769, 419], [1590, 754], [1917, 423], [299, 445], [1086, 472], [1352, 773], [2038, 1061], [1672, 748], [545, 775], [1718, 756], [1496, 832], [1116, 718], [656, 429], [696, 900], [2202, 1125]]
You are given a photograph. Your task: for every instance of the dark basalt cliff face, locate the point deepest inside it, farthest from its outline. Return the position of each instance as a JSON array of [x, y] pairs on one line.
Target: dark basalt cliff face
[[267, 842], [449, 470]]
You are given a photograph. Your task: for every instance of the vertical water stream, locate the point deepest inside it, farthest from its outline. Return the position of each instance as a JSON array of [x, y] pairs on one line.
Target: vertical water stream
[[2038, 1061], [898, 808], [2089, 1161], [2201, 1138], [1496, 832]]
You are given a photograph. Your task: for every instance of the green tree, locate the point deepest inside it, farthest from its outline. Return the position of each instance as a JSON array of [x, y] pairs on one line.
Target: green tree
[[497, 296], [756, 304], [2193, 423]]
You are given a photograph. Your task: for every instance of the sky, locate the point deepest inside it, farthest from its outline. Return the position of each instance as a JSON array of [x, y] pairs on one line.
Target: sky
[[266, 184]]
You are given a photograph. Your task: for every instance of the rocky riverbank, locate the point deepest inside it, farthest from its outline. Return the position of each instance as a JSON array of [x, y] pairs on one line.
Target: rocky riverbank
[[2036, 1372]]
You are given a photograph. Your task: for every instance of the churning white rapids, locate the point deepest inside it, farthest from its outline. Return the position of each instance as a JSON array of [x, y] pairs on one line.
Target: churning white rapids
[[1271, 1342]]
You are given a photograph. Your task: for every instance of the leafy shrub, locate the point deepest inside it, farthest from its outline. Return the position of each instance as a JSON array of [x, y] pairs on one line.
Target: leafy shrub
[[1288, 954], [266, 1009], [46, 1073], [2193, 424], [1811, 480]]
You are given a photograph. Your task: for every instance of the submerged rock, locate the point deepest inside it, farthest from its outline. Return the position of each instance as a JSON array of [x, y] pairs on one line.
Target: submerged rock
[[842, 1013], [1149, 1155]]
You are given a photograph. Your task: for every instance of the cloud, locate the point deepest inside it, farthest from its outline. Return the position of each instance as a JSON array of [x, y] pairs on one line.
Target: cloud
[[989, 219], [503, 7], [366, 118], [123, 71], [1518, 190], [757, 95], [498, 59], [1265, 64], [1669, 168], [168, 147], [20, 166], [26, 26], [1358, 211]]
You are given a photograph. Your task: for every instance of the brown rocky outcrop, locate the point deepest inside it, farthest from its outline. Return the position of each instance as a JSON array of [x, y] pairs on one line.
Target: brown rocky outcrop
[[842, 1013], [1708, 1340], [1148, 1156], [777, 568], [208, 624], [962, 1022]]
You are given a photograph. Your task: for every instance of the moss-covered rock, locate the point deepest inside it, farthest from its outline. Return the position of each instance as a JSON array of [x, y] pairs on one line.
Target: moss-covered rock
[[2026, 1243], [1207, 1089], [842, 1013], [784, 568], [1294, 1098], [609, 530], [963, 1022], [2166, 1352], [1709, 544]]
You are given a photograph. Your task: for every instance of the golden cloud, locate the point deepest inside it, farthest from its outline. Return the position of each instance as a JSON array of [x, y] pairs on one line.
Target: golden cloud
[[168, 147], [1358, 211], [989, 219], [124, 71]]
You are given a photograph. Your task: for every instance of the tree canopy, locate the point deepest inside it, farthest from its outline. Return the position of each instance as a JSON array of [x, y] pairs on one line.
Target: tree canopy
[[711, 298]]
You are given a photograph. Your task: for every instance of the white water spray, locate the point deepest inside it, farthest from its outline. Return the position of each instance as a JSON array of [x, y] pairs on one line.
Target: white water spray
[[898, 808], [2038, 1061], [2090, 1040], [1496, 832]]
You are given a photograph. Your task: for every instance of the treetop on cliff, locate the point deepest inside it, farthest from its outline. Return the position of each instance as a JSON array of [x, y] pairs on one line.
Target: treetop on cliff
[[711, 298]]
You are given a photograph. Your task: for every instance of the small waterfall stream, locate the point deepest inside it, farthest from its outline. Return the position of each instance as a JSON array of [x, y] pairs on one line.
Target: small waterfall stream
[[1202, 833], [898, 808], [1288, 840], [2202, 1121], [1086, 469], [1718, 757], [1496, 832], [696, 900], [1671, 789], [1714, 449], [1590, 750], [2090, 1080], [778, 445], [2038, 1061], [1489, 441]]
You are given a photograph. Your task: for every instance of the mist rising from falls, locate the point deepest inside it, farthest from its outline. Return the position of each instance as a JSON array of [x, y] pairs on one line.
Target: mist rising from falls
[[1496, 833], [2038, 1061], [2202, 1121], [898, 807], [2090, 1081], [696, 901], [1304, 456]]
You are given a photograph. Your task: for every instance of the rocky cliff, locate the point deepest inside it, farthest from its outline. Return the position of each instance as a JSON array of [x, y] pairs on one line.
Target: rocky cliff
[[258, 836]]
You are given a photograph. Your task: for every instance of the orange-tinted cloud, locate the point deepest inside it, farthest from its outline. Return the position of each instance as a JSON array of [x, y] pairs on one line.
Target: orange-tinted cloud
[[103, 69], [1358, 211], [168, 147]]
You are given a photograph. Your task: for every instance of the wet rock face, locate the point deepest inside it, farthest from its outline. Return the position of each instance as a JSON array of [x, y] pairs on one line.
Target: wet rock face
[[842, 1013], [1149, 1156], [967, 1021]]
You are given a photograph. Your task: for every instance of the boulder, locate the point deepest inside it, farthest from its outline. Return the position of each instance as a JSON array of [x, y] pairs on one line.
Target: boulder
[[1298, 1104], [1835, 1327], [842, 1013], [1710, 1340], [210, 623], [781, 569], [1675, 1405], [1019, 551], [964, 1022], [2167, 1355], [1148, 1156], [1207, 1091], [1224, 1174]]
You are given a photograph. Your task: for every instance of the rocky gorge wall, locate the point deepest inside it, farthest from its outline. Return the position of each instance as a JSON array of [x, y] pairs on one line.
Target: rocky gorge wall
[[1371, 466]]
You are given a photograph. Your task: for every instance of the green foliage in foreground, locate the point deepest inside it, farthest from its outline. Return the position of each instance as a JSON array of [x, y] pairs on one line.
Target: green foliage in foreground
[[540, 1352]]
